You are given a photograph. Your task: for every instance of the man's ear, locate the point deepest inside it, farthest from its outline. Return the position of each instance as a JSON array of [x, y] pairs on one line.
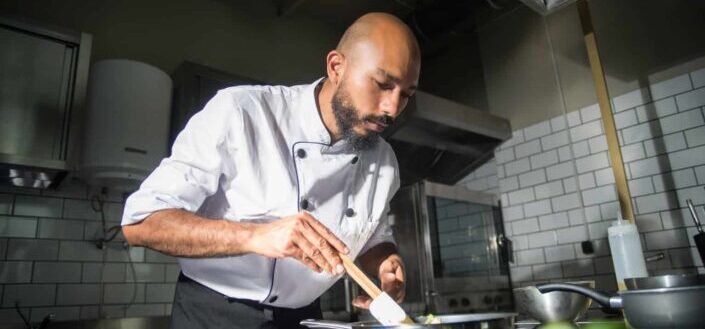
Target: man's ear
[[335, 66]]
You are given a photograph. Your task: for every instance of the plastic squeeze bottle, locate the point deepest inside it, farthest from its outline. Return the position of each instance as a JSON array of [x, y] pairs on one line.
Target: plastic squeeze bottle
[[627, 255]]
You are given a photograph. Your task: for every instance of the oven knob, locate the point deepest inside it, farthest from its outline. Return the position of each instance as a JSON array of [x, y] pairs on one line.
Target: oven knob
[[453, 303], [487, 300], [498, 299], [465, 302]]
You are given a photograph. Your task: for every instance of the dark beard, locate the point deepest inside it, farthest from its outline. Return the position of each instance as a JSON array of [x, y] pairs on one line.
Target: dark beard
[[346, 116]]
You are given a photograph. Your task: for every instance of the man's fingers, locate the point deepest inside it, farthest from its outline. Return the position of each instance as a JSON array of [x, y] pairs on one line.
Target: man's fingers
[[392, 278], [393, 269], [308, 262], [389, 284], [325, 233], [389, 277], [311, 252], [400, 297], [390, 264], [322, 245], [400, 273]]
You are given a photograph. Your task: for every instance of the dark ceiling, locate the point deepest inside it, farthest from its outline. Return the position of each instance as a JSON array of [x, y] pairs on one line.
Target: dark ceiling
[[436, 23]]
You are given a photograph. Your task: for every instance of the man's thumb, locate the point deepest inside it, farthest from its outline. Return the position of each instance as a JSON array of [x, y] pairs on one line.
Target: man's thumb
[[388, 277], [362, 302]]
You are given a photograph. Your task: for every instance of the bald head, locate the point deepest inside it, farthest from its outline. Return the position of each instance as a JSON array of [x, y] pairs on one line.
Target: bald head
[[379, 30], [371, 76]]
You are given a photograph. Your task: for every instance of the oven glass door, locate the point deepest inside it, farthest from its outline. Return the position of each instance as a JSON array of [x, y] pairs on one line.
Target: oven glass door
[[468, 255]]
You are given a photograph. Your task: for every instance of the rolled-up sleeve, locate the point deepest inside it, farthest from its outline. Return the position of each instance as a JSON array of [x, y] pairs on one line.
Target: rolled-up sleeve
[[191, 173]]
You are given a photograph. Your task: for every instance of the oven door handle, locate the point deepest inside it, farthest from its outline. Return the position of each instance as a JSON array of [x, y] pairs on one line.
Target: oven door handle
[[506, 247]]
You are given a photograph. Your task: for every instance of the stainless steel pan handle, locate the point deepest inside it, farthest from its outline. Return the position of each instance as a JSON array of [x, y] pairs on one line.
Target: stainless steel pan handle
[[613, 302], [311, 323], [695, 215]]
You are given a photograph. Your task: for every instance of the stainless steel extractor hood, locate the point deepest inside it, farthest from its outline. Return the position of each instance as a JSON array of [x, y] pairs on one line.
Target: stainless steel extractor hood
[[545, 7], [43, 74], [443, 141]]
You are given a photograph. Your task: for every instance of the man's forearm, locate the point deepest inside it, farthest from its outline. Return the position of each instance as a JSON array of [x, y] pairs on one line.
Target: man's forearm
[[371, 259], [180, 233]]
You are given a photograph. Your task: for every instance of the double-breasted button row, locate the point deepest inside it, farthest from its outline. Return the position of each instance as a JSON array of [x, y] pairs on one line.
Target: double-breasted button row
[[304, 204], [301, 154]]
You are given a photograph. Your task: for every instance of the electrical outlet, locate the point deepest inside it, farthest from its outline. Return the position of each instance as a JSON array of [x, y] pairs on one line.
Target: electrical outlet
[[587, 247]]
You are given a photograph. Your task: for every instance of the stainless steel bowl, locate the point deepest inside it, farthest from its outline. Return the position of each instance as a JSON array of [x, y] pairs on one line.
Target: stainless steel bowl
[[552, 306]]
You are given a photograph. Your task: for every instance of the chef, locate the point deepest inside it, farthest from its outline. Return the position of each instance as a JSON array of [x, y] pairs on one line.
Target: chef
[[268, 184]]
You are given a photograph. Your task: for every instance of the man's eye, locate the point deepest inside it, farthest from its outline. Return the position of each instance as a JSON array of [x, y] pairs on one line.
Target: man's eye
[[384, 85]]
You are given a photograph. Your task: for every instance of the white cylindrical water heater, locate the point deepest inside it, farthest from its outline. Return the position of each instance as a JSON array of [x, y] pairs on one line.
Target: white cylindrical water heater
[[127, 123]]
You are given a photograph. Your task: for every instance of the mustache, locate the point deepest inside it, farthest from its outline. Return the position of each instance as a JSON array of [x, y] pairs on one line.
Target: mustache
[[385, 119]]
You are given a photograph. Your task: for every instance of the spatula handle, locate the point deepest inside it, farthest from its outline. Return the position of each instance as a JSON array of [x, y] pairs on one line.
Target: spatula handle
[[358, 276]]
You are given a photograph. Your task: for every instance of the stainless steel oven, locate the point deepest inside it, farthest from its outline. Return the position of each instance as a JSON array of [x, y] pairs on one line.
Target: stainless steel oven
[[454, 248]]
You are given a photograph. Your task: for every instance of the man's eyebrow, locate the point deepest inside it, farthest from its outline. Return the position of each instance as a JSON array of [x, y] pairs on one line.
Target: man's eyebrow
[[388, 75], [392, 77]]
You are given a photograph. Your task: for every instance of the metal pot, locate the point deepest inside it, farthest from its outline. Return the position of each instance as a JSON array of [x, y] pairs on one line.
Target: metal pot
[[679, 307], [459, 321], [554, 306]]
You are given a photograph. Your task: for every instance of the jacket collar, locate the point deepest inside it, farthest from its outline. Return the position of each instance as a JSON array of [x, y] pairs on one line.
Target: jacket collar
[[311, 121]]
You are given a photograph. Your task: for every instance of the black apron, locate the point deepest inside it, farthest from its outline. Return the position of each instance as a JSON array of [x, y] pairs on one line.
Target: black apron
[[197, 306]]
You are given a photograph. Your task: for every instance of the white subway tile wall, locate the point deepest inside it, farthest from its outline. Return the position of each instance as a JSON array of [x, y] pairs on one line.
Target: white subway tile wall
[[573, 119], [552, 221], [631, 99], [691, 99], [698, 78], [537, 130], [49, 262], [655, 110], [6, 204], [552, 203], [671, 87], [633, 152], [695, 137], [625, 119]]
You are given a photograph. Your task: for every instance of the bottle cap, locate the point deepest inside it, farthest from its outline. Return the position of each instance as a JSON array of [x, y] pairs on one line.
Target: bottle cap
[[620, 220]]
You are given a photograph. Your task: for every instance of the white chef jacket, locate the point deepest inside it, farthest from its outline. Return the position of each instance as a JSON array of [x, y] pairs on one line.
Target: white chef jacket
[[259, 153]]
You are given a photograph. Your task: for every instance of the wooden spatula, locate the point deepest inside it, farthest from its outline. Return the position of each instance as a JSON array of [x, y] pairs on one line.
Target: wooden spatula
[[383, 307]]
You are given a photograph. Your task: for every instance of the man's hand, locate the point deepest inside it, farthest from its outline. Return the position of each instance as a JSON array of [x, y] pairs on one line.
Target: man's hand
[[392, 278], [302, 237]]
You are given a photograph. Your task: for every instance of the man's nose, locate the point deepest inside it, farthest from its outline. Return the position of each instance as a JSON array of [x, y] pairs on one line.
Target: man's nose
[[393, 104]]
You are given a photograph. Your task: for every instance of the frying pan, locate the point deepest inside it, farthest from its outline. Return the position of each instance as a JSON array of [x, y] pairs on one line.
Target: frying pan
[[459, 321], [674, 307], [665, 281]]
